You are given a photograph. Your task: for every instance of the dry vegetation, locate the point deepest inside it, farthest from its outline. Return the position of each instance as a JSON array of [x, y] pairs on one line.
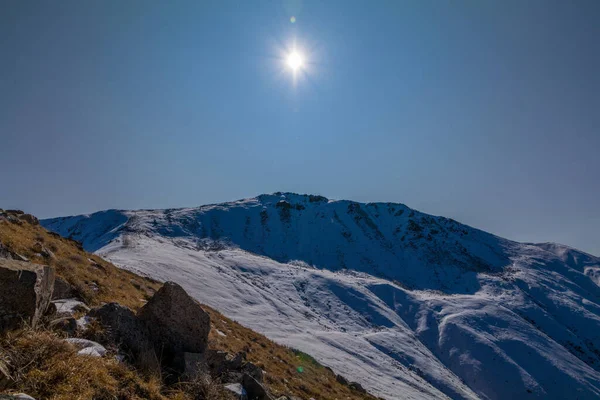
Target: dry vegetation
[[96, 280], [50, 369]]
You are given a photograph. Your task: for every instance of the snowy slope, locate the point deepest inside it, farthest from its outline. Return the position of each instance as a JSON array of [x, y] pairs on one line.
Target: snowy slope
[[408, 304]]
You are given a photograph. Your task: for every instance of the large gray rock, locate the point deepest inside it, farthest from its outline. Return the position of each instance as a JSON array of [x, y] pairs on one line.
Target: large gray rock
[[124, 327], [25, 292], [176, 322]]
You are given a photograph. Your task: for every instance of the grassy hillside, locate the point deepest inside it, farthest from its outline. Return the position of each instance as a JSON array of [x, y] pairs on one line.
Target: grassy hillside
[[58, 373]]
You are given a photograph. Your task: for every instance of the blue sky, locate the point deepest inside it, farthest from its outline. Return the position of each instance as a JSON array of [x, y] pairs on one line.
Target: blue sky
[[484, 111]]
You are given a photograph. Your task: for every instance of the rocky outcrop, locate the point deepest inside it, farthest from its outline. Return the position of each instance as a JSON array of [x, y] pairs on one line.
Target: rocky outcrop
[[30, 219], [342, 380], [171, 324], [125, 328], [357, 386], [25, 292], [176, 322]]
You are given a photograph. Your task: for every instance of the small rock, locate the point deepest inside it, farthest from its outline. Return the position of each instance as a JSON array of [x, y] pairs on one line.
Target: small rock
[[218, 362], [254, 371], [87, 347], [4, 252], [18, 396], [43, 251], [19, 257], [254, 389]]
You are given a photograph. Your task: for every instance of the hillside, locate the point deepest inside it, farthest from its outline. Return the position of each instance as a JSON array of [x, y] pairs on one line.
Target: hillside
[[408, 304], [62, 374]]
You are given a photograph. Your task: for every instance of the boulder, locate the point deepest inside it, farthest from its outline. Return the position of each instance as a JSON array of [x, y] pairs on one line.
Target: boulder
[[357, 386], [176, 322], [63, 289], [341, 380], [16, 212], [254, 390], [124, 327], [25, 292], [29, 219]]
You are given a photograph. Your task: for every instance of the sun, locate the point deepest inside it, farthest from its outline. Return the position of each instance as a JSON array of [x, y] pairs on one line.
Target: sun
[[295, 60]]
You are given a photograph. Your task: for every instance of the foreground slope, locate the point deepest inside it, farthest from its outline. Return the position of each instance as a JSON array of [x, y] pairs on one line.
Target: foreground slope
[[408, 304]]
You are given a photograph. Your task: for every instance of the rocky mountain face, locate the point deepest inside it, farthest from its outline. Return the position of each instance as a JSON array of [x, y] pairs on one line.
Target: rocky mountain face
[[410, 305]]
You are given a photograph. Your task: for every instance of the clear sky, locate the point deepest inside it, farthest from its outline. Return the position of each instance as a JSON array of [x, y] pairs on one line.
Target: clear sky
[[485, 111]]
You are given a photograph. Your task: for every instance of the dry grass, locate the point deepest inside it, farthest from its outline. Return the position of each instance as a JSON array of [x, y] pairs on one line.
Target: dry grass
[[46, 367], [282, 365], [97, 281], [61, 374]]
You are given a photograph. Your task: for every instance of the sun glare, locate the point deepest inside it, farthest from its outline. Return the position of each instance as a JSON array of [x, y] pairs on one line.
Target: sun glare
[[294, 60]]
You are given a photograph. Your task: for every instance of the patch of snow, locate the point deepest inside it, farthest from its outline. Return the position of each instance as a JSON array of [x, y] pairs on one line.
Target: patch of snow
[[87, 347], [68, 307], [236, 388]]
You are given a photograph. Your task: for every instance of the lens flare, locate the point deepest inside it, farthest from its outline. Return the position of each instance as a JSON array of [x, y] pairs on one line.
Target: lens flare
[[295, 60]]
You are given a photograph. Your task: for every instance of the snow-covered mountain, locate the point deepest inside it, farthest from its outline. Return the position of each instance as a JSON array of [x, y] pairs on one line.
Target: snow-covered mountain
[[408, 304]]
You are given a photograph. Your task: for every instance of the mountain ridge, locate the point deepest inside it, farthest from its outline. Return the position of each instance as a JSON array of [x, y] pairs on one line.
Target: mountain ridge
[[376, 287]]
